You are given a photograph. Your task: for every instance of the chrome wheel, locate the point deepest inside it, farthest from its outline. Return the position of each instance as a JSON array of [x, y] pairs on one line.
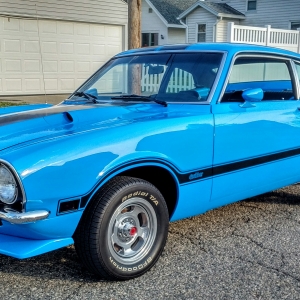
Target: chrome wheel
[[132, 231], [123, 230]]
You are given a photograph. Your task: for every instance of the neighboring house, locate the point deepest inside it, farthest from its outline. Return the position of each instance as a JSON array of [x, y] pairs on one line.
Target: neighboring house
[[160, 25], [72, 39], [207, 20]]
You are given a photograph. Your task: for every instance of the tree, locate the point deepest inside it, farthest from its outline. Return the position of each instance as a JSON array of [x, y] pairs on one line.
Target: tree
[[134, 23]]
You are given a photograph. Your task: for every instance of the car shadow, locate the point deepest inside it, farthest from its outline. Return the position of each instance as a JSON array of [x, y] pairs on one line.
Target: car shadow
[[64, 264], [278, 197], [60, 264]]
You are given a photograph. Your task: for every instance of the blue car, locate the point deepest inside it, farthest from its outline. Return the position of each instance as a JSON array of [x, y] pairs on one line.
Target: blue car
[[156, 135]]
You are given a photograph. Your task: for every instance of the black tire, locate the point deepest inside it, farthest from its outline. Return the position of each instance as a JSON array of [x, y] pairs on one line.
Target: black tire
[[124, 229]]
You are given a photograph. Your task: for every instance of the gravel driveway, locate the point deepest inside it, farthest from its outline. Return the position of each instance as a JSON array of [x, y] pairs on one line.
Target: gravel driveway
[[248, 250]]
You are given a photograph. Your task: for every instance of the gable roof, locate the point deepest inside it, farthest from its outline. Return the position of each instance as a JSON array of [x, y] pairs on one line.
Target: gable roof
[[171, 9], [216, 8]]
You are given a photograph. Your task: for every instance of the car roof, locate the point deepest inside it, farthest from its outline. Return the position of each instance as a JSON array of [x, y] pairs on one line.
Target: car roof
[[225, 47]]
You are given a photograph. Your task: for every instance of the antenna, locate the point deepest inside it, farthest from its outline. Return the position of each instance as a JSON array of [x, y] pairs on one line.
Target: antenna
[[41, 55]]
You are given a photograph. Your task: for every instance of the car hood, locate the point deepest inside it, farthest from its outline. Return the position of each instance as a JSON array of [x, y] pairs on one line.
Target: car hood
[[25, 125]]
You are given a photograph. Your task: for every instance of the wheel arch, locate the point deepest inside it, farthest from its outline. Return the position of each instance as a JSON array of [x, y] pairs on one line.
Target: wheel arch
[[162, 179], [158, 174]]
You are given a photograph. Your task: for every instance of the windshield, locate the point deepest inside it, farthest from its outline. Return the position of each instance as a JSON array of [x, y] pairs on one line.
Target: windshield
[[184, 77]]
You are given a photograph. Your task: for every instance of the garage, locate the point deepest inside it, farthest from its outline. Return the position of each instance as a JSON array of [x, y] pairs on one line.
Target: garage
[[45, 55]]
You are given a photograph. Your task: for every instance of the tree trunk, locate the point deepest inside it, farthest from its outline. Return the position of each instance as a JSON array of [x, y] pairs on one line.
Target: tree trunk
[[134, 41], [134, 23]]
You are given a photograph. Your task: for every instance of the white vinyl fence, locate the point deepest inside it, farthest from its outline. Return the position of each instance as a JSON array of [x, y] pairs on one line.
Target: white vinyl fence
[[267, 36], [180, 81]]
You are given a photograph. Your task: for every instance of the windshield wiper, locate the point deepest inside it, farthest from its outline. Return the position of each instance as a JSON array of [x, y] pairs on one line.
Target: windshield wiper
[[140, 98], [89, 97]]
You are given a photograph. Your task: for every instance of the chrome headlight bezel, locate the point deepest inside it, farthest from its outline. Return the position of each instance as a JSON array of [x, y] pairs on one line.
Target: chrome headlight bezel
[[19, 195]]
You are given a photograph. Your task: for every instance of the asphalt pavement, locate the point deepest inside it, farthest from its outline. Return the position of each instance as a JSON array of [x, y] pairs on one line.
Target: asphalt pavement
[[248, 250]]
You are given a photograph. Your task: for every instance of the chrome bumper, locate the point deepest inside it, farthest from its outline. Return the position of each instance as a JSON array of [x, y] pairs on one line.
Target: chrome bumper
[[14, 217]]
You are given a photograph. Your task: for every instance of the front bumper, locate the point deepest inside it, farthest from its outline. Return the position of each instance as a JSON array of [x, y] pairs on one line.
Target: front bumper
[[25, 248], [14, 217]]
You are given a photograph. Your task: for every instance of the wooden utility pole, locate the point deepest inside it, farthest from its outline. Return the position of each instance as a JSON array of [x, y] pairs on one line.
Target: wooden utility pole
[[134, 23], [134, 41]]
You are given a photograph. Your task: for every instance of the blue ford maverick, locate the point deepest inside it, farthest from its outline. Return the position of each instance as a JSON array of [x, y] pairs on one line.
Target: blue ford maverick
[[156, 135]]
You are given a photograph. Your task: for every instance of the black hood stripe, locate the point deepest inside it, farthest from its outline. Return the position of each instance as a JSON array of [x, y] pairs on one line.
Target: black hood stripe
[[39, 113]]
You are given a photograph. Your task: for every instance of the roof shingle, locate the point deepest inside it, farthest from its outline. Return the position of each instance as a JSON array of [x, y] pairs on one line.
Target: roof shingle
[[171, 9], [222, 8]]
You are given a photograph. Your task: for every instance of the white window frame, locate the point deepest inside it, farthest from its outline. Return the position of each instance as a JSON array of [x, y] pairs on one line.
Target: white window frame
[[149, 32], [290, 26], [251, 10], [197, 26]]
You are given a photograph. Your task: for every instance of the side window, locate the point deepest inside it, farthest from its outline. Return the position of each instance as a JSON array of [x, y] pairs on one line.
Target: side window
[[190, 77], [271, 75]]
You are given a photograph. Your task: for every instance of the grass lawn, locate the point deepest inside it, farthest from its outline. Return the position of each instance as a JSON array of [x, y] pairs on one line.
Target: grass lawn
[[7, 104]]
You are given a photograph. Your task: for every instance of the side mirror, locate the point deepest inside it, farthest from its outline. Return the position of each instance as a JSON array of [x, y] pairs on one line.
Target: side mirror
[[252, 95]]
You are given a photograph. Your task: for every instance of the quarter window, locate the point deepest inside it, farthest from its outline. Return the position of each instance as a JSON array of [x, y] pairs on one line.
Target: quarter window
[[251, 5], [201, 33], [298, 69], [271, 75]]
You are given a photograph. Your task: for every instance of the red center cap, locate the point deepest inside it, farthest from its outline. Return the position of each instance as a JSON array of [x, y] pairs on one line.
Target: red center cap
[[133, 231]]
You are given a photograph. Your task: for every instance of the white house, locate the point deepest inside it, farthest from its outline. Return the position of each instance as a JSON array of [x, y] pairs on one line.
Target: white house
[[160, 25], [207, 21], [53, 46], [167, 21]]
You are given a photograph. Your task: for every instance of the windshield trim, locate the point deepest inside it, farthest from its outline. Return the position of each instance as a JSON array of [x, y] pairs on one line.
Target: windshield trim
[[172, 52]]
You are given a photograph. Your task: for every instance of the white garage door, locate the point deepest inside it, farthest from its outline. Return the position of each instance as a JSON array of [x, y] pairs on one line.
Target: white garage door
[[69, 51]]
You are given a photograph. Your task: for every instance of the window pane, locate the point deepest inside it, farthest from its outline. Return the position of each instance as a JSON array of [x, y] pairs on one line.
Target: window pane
[[295, 25], [145, 39], [298, 69], [251, 5], [247, 71], [201, 28], [180, 81], [271, 75], [149, 39], [184, 78], [201, 37], [201, 33], [192, 76]]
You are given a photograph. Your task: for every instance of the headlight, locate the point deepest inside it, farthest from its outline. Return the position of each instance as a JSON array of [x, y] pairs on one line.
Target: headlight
[[8, 186]]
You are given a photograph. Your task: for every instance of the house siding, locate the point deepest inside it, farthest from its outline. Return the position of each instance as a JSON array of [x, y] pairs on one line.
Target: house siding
[[276, 13], [152, 23], [94, 11], [176, 36], [222, 29], [200, 16]]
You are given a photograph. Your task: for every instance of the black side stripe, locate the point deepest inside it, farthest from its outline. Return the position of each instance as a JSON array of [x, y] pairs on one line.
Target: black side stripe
[[219, 170], [197, 175]]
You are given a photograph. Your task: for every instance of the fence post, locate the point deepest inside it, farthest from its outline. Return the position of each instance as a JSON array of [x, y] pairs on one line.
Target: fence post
[[230, 32], [298, 40], [268, 35]]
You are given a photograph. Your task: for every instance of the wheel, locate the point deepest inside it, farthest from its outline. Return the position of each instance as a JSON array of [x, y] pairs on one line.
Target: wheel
[[124, 229]]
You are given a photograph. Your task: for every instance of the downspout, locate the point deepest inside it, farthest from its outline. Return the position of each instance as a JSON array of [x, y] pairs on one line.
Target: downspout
[[186, 30], [215, 29]]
